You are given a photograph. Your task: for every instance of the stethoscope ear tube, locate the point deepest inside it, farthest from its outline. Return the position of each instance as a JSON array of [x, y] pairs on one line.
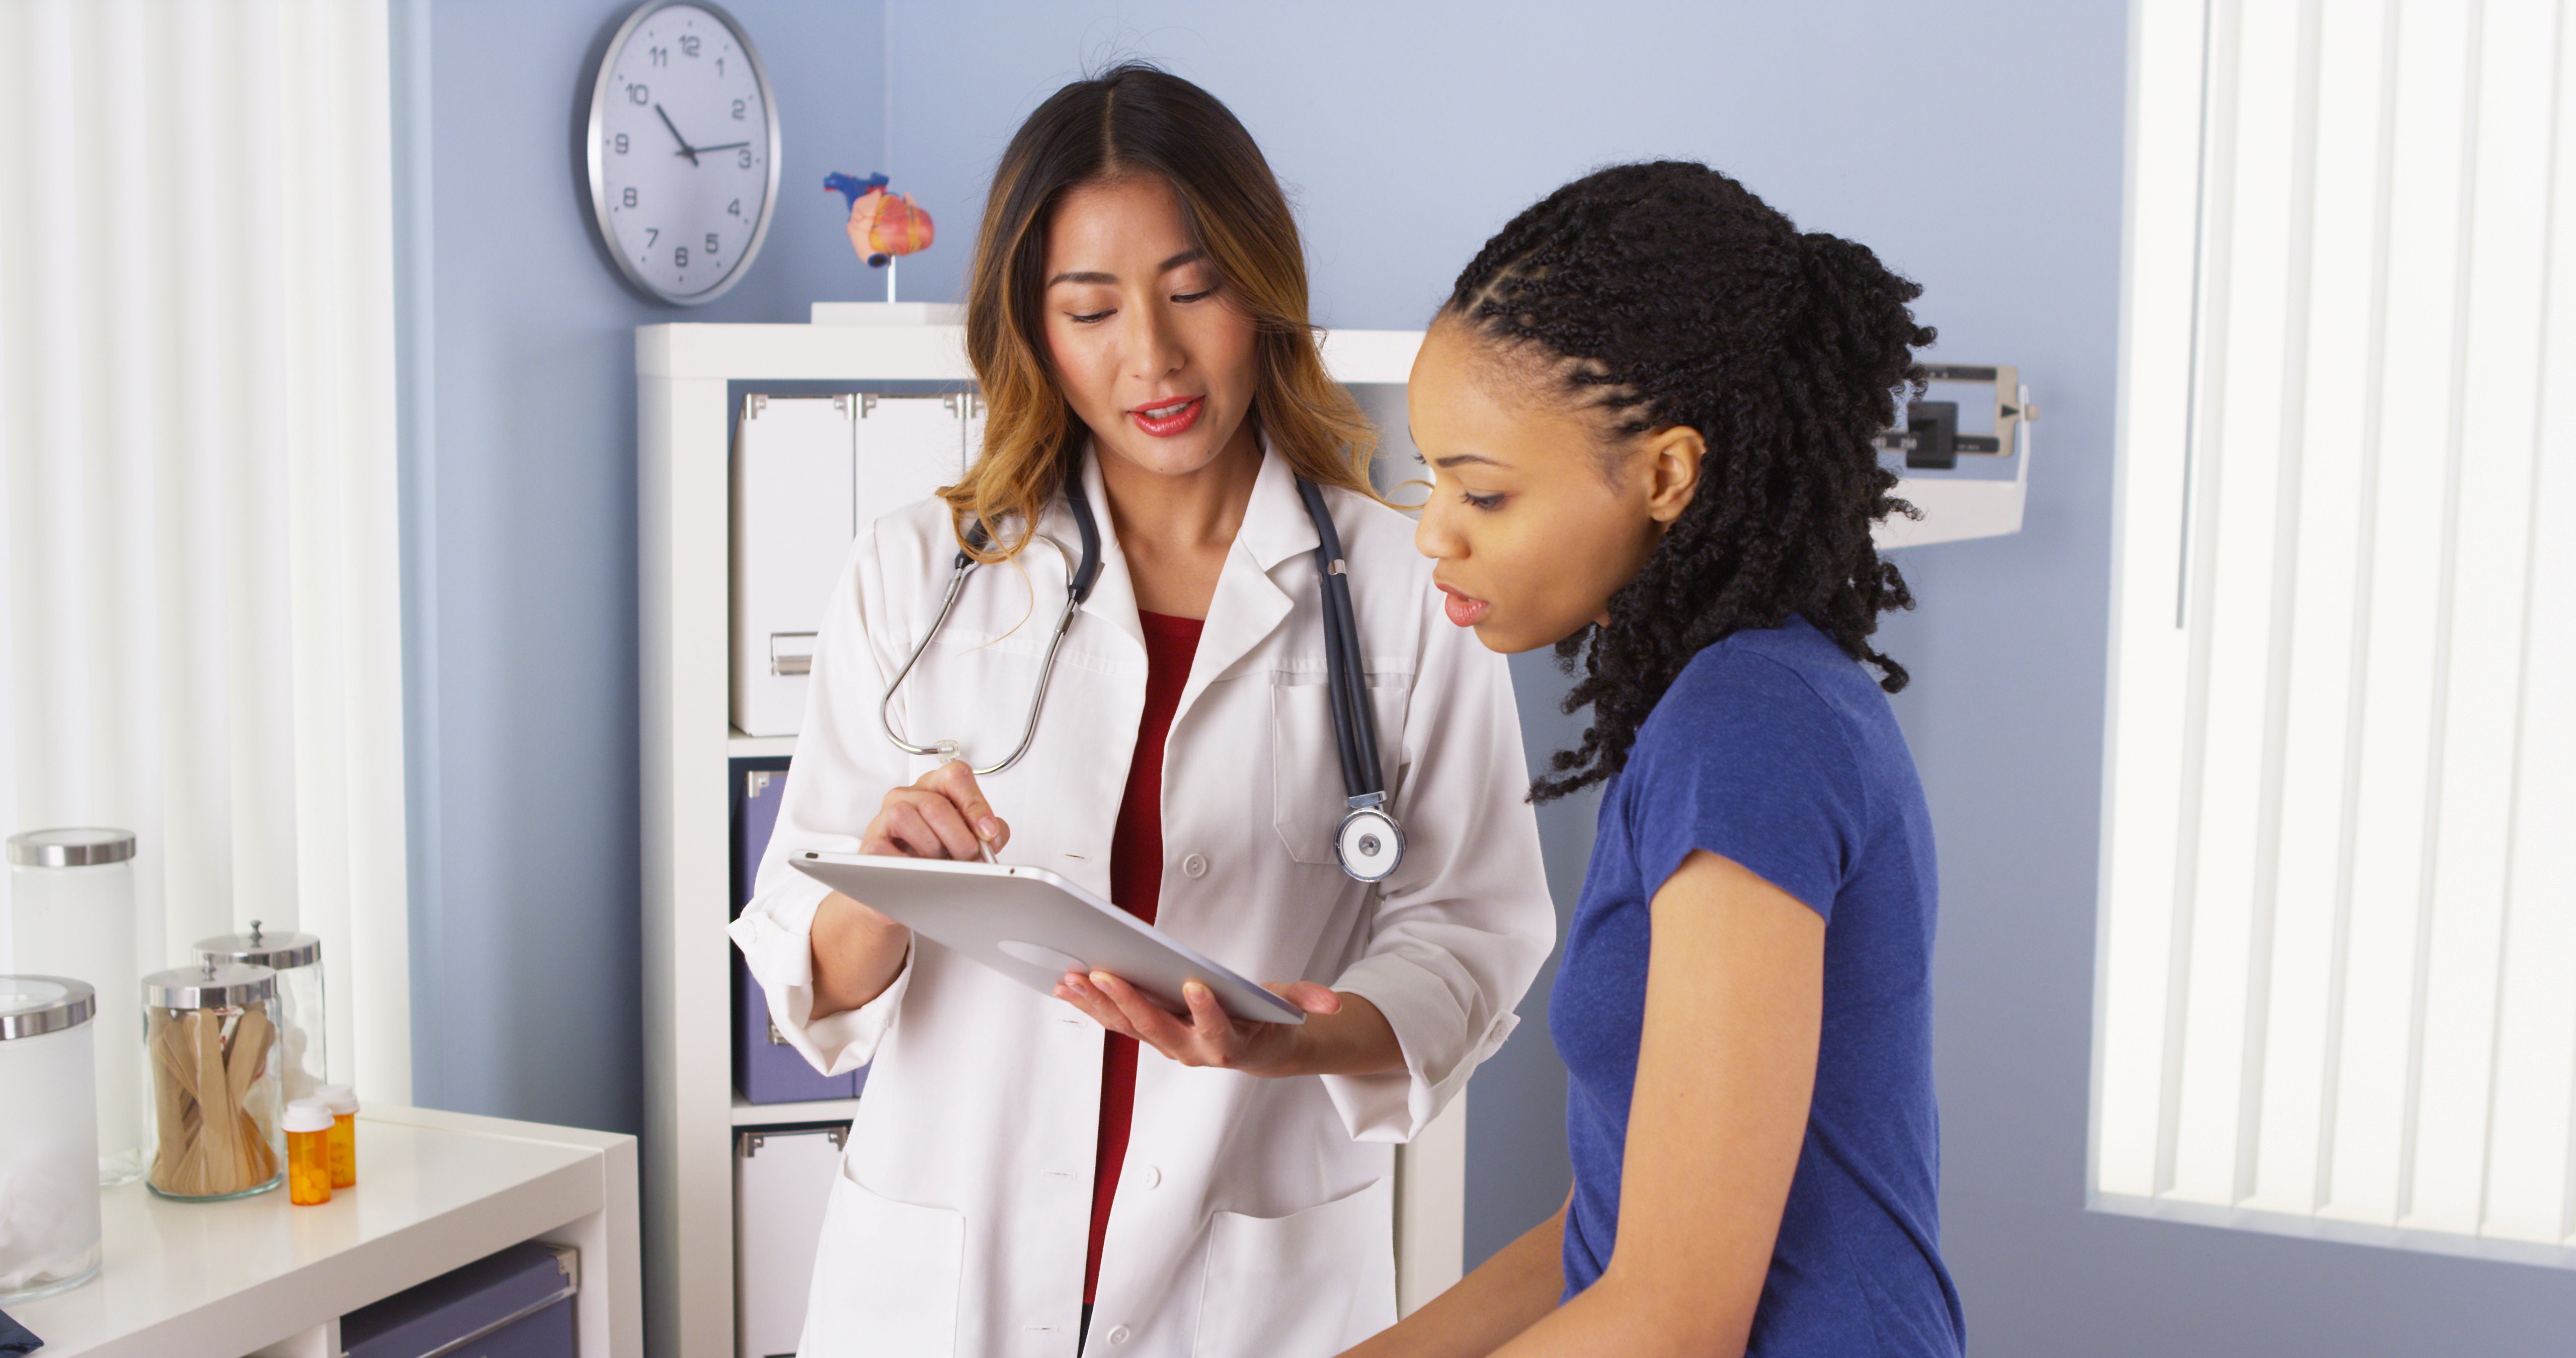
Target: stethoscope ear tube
[[1337, 663], [1355, 682], [1354, 718], [1078, 499], [1368, 843]]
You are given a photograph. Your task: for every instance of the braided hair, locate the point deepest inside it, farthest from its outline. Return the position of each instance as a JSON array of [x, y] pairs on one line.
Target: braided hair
[[1666, 294]]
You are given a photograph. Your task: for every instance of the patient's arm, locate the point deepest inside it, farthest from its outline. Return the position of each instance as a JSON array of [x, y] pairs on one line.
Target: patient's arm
[[1725, 1070], [1504, 1296]]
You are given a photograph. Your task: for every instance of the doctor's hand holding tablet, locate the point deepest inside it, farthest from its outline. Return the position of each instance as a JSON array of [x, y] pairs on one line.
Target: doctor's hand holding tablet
[[1166, 657]]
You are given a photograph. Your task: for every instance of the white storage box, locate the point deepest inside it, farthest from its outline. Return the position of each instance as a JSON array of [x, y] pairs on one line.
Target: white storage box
[[909, 446], [807, 472], [782, 1179], [794, 513]]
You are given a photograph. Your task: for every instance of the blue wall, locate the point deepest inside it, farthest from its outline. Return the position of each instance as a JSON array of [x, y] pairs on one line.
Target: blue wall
[[1976, 145], [520, 518]]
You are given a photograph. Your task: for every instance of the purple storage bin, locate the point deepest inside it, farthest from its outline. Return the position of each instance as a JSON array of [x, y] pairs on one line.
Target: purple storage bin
[[515, 1304], [765, 1069]]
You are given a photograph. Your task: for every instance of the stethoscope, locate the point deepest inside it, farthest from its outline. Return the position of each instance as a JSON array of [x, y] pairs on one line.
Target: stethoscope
[[1368, 843]]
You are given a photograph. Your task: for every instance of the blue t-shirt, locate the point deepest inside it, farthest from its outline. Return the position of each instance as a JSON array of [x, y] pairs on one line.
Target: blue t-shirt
[[1777, 751]]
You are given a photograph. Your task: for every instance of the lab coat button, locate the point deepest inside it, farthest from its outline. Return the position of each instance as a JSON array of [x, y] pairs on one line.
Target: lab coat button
[[1118, 1334], [1149, 1177], [1194, 866]]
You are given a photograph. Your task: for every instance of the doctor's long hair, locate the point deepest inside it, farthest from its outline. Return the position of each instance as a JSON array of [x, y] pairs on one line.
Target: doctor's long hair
[[1667, 295], [1137, 120]]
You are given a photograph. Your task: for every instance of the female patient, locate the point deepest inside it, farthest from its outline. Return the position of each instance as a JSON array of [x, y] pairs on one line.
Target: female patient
[[1648, 406]]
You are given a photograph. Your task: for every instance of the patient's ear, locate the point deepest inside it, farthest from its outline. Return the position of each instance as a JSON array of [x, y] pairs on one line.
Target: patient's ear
[[1671, 461]]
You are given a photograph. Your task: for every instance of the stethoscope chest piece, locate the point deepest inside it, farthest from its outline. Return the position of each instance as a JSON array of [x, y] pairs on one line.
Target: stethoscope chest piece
[[1369, 844]]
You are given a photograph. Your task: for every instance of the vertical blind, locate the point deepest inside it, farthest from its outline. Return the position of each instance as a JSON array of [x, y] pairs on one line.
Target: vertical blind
[[200, 580], [2337, 973]]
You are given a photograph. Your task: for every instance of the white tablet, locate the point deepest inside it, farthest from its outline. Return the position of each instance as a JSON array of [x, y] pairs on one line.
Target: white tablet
[[1033, 926]]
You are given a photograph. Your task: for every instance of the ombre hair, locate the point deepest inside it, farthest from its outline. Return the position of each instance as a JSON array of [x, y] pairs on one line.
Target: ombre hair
[[1136, 120]]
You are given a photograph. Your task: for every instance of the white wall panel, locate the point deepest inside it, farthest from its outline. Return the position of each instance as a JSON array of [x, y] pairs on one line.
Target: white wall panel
[[196, 416], [2531, 1132], [2161, 246], [2246, 302], [2338, 461], [2492, 457], [2337, 941]]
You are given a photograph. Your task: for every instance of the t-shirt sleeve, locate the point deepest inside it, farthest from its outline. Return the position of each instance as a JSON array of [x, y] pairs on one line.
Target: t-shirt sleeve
[[1743, 759]]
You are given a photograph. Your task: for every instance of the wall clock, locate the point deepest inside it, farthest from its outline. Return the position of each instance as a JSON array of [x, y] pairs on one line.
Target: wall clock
[[683, 150]]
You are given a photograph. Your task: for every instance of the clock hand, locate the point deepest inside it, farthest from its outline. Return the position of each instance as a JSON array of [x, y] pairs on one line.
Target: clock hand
[[685, 149], [728, 146]]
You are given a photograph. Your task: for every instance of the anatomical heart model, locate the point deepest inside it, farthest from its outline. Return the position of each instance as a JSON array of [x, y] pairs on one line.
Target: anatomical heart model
[[883, 225]]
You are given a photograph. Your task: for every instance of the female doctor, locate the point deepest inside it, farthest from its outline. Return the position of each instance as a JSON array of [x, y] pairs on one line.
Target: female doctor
[[1023, 1177]]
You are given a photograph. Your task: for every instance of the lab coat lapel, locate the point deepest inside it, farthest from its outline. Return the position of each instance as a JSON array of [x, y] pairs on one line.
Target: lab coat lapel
[[1249, 605]]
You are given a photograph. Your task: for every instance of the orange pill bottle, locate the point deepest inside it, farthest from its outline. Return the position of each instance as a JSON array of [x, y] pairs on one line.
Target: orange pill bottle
[[308, 1152], [344, 1133]]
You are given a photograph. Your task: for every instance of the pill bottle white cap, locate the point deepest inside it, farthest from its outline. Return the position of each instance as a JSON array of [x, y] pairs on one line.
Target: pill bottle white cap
[[307, 1115]]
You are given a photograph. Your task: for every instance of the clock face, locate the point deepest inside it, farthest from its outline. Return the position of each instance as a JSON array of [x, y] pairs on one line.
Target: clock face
[[683, 151]]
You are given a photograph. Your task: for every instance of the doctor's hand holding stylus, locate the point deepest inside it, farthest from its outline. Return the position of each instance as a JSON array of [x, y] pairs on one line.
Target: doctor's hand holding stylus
[[945, 815], [858, 952]]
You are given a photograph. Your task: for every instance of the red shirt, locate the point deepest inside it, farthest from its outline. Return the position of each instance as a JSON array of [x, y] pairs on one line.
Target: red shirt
[[1136, 886]]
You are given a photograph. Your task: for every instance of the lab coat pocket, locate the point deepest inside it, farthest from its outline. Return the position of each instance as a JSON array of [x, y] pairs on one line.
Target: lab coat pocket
[[886, 1278], [1307, 798], [1306, 1285]]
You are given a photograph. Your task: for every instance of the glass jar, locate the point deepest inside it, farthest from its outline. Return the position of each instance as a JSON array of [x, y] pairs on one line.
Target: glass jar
[[71, 895], [297, 960], [211, 1035], [48, 1136]]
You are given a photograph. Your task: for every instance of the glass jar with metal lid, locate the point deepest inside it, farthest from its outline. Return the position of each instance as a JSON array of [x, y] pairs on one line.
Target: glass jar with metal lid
[[297, 960], [48, 1136], [71, 903], [210, 1033]]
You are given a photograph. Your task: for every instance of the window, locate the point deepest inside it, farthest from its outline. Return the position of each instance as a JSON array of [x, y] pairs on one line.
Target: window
[[2336, 990], [200, 594]]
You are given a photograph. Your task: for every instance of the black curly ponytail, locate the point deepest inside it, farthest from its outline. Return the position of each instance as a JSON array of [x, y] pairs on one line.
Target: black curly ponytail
[[1665, 295]]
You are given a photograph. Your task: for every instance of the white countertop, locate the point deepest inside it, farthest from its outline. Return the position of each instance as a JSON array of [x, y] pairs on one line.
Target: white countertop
[[435, 1191]]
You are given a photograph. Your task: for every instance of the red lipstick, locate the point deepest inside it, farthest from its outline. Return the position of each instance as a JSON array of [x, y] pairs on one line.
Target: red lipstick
[[1170, 418]]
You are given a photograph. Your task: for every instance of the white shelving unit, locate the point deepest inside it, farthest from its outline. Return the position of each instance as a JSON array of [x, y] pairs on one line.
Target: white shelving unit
[[782, 1114], [685, 379]]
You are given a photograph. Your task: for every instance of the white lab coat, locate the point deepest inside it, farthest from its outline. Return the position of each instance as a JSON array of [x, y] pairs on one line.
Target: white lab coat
[[1253, 1215]]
